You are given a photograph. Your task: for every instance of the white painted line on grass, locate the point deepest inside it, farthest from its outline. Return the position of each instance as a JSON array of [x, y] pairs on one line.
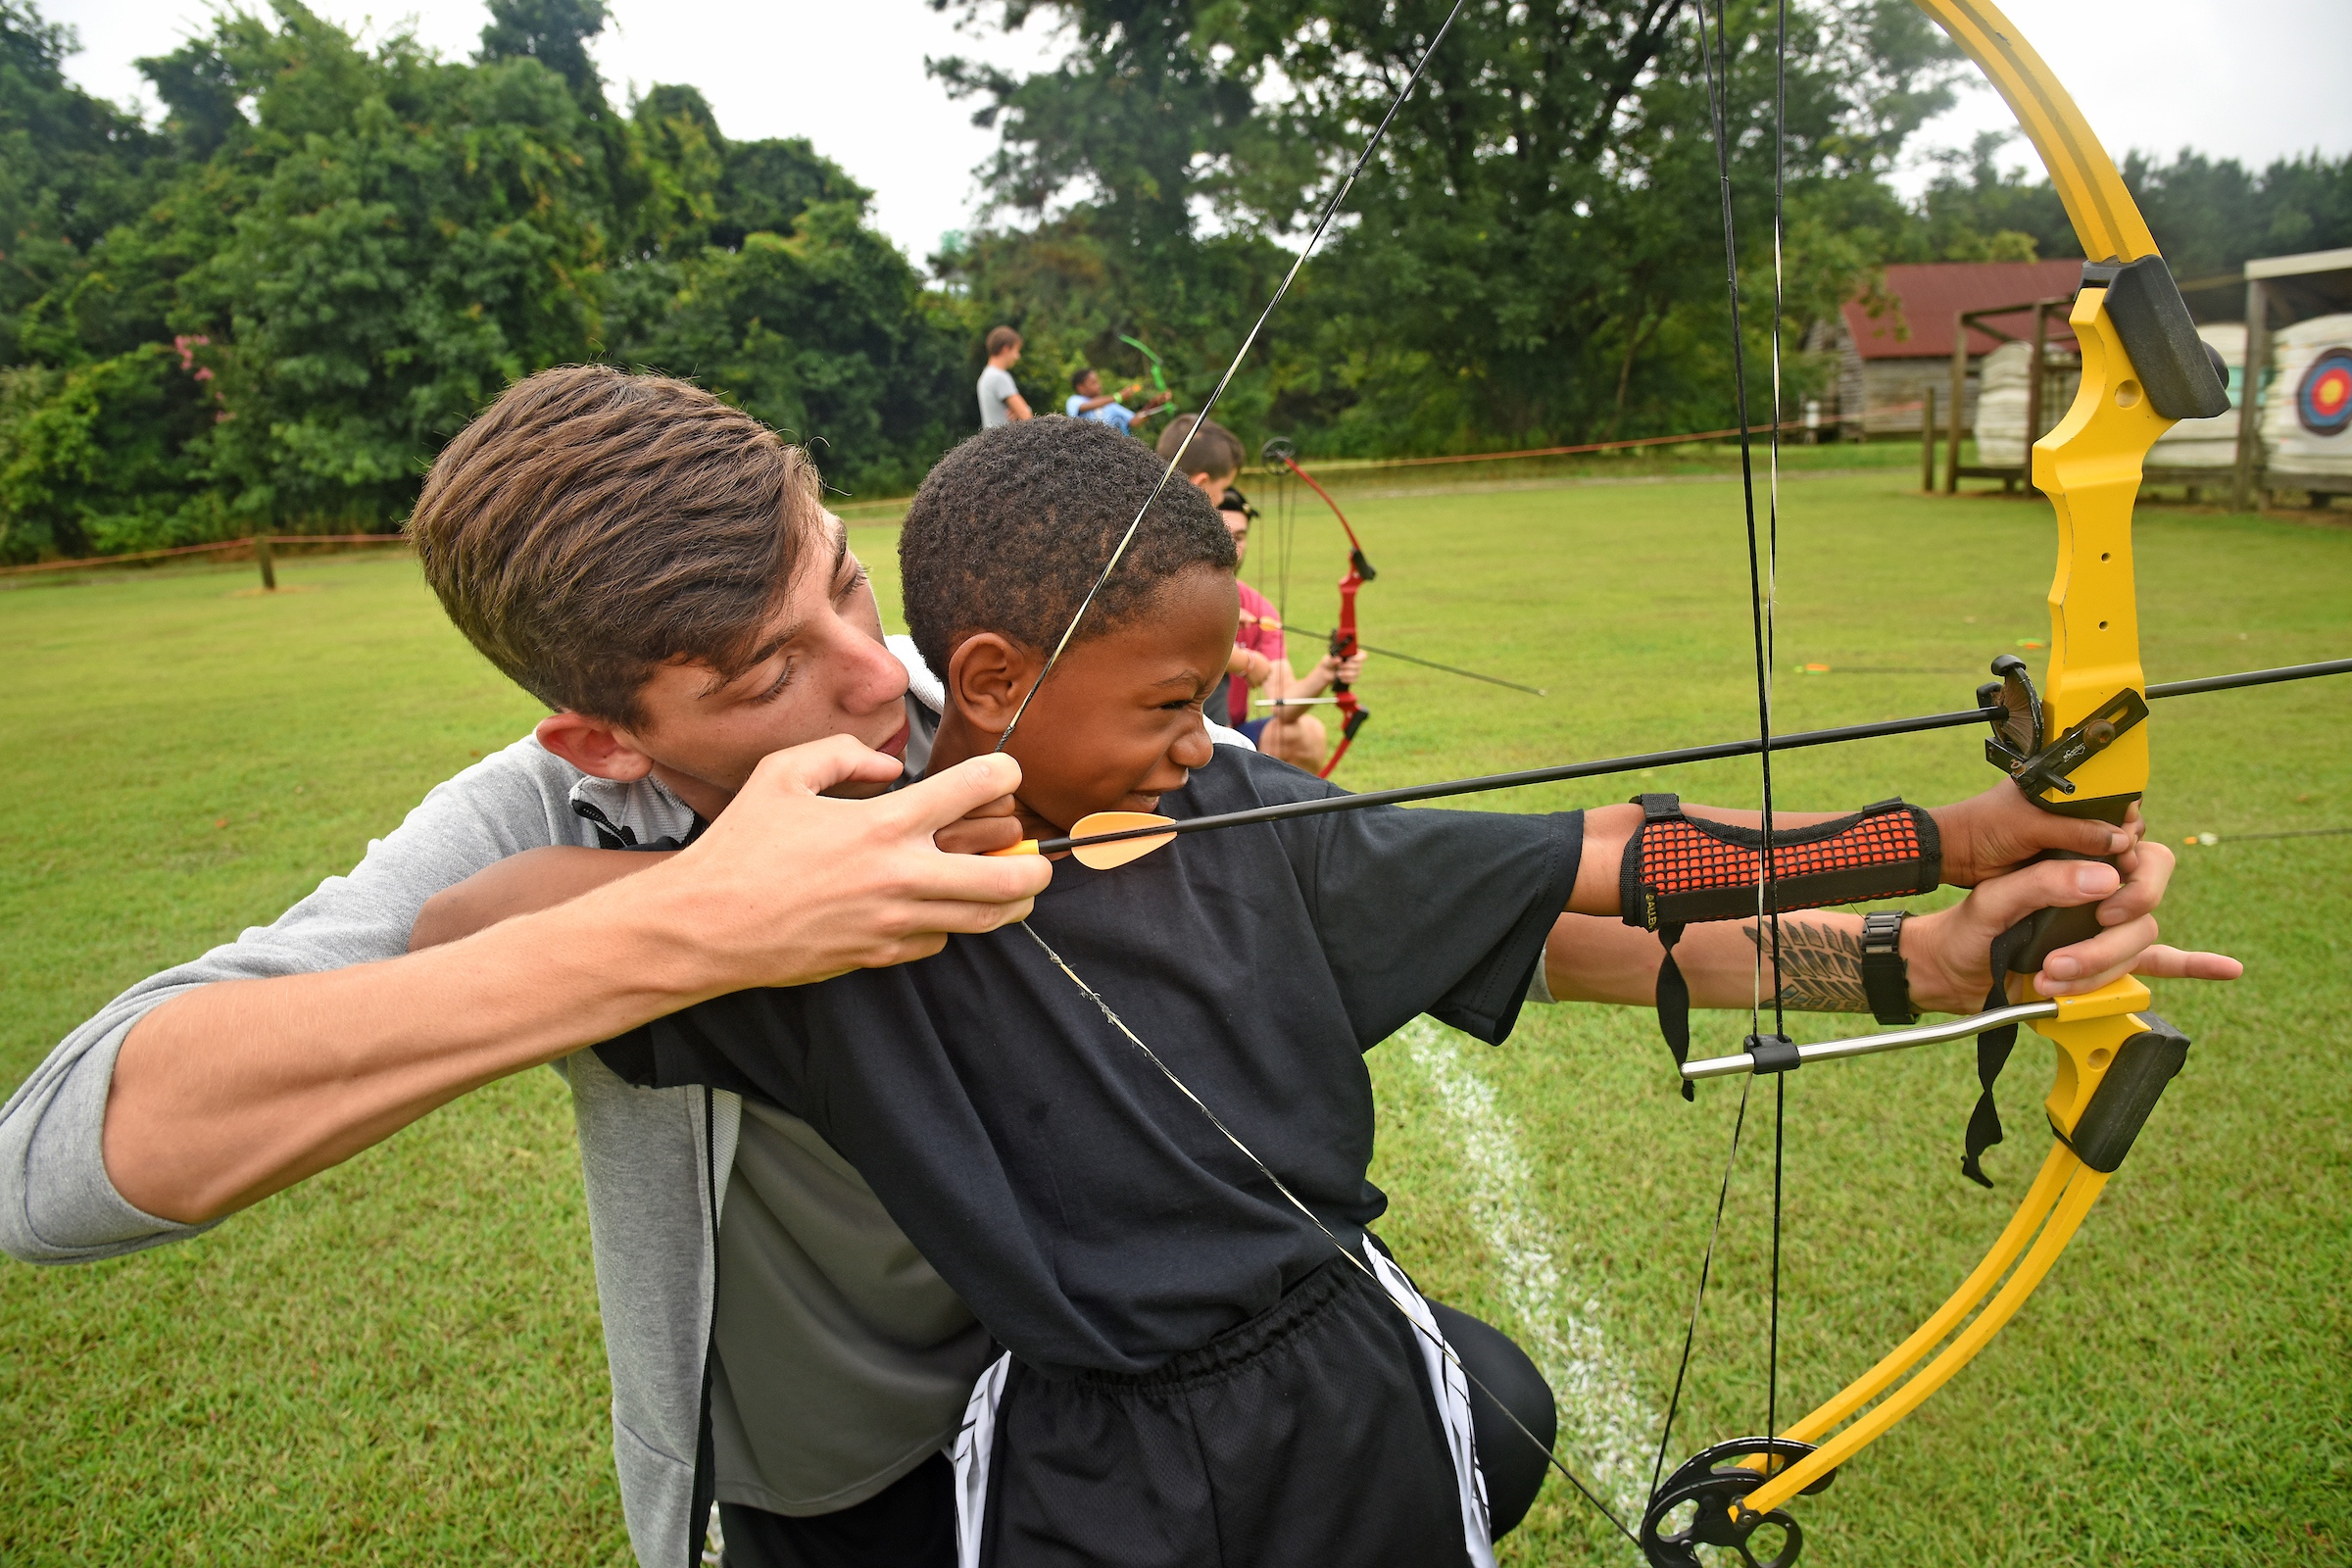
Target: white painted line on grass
[[1605, 1427]]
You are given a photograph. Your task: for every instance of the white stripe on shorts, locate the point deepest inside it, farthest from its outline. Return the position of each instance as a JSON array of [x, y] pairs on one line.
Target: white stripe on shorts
[[1452, 1389]]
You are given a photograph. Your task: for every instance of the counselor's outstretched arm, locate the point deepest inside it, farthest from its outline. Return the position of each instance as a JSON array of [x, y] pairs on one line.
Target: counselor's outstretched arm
[[233, 1091]]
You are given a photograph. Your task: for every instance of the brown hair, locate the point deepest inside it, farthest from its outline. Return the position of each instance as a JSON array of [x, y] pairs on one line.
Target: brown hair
[[592, 525], [1215, 451], [1000, 338]]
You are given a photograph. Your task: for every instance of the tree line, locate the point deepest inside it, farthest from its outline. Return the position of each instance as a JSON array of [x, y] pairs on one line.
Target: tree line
[[270, 309]]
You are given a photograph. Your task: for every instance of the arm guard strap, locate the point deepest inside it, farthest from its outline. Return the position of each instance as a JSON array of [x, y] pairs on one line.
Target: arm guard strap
[[1677, 870]]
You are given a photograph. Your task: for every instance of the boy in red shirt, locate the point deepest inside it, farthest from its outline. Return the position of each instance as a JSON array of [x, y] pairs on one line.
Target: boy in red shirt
[[1292, 733]]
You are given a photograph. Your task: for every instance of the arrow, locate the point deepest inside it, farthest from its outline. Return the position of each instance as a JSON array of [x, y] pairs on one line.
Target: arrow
[[1093, 838]]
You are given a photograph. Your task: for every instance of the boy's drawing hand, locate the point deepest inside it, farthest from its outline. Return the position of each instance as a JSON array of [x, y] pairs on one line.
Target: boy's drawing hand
[[1999, 830], [1949, 951], [982, 830]]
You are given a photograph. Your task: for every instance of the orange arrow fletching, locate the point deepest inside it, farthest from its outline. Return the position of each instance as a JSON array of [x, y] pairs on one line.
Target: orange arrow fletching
[[1106, 856]]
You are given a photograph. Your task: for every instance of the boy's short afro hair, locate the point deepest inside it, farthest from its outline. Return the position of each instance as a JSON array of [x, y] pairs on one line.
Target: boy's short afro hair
[[1012, 528]]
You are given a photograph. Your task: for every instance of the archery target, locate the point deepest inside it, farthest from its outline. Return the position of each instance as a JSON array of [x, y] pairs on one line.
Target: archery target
[[2324, 398], [2307, 410]]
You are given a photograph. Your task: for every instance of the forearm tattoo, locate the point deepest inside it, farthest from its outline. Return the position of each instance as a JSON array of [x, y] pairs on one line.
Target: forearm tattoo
[[1820, 965]]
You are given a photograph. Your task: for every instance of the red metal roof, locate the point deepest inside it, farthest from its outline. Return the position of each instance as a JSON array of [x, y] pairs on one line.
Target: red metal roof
[[1919, 323]]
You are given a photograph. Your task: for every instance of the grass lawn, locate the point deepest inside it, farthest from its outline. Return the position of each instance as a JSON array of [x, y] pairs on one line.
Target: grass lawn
[[399, 1362]]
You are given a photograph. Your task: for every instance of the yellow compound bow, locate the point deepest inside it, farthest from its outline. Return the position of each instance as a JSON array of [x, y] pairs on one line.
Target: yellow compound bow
[[2081, 748]]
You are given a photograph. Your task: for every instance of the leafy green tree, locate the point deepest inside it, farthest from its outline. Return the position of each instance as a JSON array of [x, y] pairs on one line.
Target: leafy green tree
[[91, 456], [72, 167], [1534, 253], [554, 32], [2210, 215], [410, 236], [825, 333], [703, 189]]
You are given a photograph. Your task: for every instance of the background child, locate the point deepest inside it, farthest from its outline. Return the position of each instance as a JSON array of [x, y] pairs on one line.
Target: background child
[[1087, 401], [1259, 661]]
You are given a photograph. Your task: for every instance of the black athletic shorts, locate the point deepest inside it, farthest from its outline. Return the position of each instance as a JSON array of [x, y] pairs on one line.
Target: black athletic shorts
[[1308, 1434], [911, 1523]]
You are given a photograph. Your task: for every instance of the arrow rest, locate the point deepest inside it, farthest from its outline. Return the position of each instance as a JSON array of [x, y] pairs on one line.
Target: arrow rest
[[2016, 734], [1711, 1485]]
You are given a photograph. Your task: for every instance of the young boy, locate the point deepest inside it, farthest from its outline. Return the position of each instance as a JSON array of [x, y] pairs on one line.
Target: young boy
[[1212, 461], [1193, 1373], [1087, 401]]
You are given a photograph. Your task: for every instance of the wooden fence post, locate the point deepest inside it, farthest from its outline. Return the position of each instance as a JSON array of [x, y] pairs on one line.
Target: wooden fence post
[[1951, 458], [260, 553], [2245, 483], [1926, 443]]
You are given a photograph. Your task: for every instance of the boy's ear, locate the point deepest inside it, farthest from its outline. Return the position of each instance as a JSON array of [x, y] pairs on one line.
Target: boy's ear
[[594, 746], [988, 676]]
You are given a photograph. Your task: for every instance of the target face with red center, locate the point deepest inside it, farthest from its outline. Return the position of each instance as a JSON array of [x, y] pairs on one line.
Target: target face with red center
[[2323, 402]]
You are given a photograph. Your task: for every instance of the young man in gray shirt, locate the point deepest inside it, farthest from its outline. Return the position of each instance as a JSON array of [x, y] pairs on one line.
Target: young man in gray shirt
[[656, 567], [1000, 400]]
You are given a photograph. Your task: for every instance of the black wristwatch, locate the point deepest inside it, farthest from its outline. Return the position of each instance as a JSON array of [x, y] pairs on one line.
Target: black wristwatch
[[1886, 978]]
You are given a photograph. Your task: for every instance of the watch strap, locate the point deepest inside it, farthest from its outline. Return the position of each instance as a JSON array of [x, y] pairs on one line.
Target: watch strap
[[1886, 977]]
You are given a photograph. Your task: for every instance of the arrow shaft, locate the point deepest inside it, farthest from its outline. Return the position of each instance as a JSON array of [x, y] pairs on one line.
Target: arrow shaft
[[1748, 746], [1410, 658]]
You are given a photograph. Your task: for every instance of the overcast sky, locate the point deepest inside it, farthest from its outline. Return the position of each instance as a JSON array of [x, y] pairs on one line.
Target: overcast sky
[[2252, 79]]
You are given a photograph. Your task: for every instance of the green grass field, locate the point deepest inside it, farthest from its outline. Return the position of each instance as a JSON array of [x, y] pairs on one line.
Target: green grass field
[[399, 1362]]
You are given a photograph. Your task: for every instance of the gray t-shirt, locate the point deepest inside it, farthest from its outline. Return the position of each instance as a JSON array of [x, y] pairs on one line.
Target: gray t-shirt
[[995, 385], [841, 1353]]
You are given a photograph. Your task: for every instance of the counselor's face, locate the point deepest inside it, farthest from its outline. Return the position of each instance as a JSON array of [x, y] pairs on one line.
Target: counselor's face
[[821, 668]]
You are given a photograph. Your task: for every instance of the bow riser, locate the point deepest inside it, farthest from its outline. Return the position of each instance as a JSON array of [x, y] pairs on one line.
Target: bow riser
[[2090, 466]]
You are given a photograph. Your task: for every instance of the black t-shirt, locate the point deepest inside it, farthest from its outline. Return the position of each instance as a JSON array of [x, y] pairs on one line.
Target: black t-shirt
[[1091, 1217]]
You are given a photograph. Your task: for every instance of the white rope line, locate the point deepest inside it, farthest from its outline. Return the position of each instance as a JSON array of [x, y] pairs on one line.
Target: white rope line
[[1594, 1382]]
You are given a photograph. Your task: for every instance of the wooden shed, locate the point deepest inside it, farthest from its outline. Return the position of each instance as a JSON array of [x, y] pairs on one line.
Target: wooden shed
[[1892, 354]]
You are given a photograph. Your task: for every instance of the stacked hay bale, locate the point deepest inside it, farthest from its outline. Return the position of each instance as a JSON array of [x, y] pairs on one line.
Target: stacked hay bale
[[2002, 438], [2209, 443], [2002, 374]]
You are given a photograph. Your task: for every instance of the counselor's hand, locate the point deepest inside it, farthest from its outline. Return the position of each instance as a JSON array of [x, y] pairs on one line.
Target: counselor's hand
[[790, 886]]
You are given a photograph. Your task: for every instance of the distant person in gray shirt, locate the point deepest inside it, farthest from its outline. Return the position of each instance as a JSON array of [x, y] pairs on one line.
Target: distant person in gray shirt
[[1000, 400], [658, 570]]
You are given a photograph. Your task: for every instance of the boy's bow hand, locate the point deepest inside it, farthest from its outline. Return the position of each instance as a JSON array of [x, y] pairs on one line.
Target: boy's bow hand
[[1996, 832], [1951, 950]]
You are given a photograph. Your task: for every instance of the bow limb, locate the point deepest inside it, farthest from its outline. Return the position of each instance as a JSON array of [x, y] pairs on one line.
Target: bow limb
[[2092, 1043], [1344, 644]]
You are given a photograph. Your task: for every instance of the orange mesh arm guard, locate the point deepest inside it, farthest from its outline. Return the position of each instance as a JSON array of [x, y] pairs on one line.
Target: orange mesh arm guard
[[1678, 872]]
